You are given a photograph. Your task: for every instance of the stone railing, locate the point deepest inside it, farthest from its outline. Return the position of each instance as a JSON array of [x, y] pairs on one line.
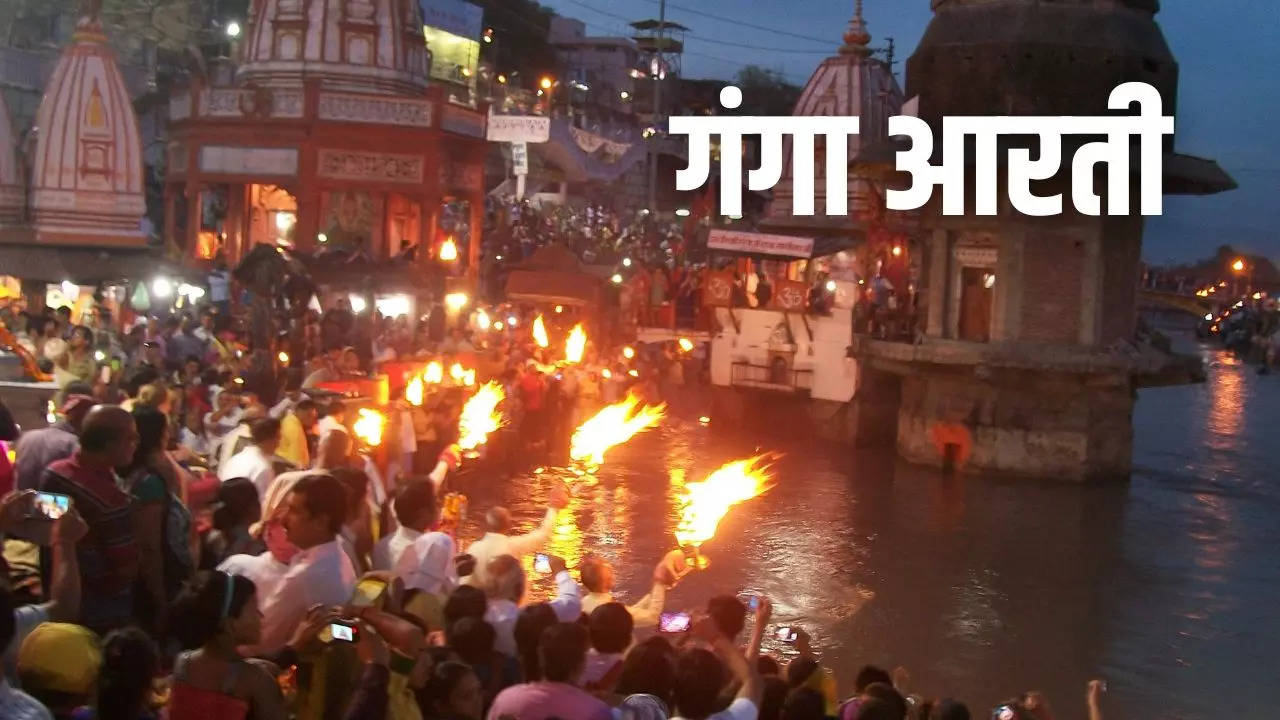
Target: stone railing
[[1127, 357]]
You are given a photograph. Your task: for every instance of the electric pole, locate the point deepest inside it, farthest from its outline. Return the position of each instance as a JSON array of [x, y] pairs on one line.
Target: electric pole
[[658, 72]]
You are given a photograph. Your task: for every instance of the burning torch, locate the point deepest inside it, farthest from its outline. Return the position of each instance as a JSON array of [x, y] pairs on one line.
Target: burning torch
[[705, 503]]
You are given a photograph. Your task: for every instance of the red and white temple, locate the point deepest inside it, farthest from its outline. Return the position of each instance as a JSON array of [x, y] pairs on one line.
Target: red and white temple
[[82, 181], [326, 135]]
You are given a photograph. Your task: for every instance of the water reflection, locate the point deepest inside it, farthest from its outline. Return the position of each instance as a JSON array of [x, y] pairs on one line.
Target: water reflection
[[1226, 411], [984, 588]]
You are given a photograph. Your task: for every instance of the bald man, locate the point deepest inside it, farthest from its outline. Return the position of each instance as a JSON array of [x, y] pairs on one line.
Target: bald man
[[504, 587], [108, 554], [497, 541]]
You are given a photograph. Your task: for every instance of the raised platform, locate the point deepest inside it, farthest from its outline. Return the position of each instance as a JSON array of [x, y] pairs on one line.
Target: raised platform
[[1022, 410]]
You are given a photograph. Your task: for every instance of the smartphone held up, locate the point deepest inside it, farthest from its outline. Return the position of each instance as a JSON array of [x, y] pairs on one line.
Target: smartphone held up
[[341, 631], [674, 622], [542, 564], [49, 506]]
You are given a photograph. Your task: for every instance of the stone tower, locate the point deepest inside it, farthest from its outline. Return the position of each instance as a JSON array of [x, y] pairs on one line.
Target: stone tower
[[1027, 363]]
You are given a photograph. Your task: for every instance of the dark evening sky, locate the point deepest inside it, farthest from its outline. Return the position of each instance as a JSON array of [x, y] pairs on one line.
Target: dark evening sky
[[1228, 108]]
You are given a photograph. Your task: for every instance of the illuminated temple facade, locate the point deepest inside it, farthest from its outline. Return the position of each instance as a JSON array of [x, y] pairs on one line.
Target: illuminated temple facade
[[325, 135]]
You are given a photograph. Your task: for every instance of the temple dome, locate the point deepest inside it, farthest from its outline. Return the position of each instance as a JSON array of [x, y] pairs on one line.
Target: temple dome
[[851, 84], [86, 172], [12, 197], [360, 45]]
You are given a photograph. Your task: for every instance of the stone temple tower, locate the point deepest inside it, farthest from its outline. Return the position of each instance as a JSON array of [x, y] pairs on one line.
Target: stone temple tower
[[1027, 361]]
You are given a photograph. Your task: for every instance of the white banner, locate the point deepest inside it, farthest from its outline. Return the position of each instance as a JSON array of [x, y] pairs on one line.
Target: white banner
[[519, 128], [520, 158], [760, 243]]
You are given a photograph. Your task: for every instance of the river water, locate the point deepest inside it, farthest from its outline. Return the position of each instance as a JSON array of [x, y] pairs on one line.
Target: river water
[[1167, 586]]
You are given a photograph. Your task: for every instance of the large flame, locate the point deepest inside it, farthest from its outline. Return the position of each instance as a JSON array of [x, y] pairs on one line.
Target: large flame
[[540, 332], [705, 503], [413, 392], [369, 425], [434, 372], [480, 416], [448, 250], [576, 345], [611, 426]]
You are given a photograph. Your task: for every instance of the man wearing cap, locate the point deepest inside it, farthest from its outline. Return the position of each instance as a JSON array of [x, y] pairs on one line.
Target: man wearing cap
[[58, 665], [109, 553], [38, 448]]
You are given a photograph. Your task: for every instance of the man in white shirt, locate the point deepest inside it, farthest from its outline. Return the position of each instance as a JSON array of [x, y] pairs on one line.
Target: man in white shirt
[[222, 421], [505, 589], [292, 396], [597, 578], [496, 542], [416, 511], [334, 420], [205, 329], [240, 437], [427, 564], [321, 573], [255, 461], [263, 569]]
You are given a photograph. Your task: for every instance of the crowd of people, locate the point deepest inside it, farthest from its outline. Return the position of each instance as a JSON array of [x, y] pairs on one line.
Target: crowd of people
[[1249, 328], [661, 267], [198, 538]]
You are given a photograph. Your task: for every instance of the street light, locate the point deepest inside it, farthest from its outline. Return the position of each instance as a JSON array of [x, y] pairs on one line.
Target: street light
[[545, 82], [1239, 267], [233, 29]]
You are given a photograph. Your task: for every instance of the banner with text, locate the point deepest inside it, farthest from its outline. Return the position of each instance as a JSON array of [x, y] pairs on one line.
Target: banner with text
[[760, 243], [519, 128]]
